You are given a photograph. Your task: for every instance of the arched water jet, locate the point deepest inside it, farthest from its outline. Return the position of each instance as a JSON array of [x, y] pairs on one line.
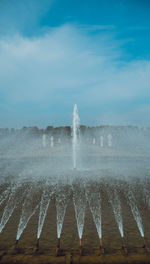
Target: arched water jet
[[116, 206], [44, 204], [11, 205], [28, 210], [147, 197], [79, 201], [94, 200], [135, 211], [62, 197], [75, 134], [145, 191], [5, 195]]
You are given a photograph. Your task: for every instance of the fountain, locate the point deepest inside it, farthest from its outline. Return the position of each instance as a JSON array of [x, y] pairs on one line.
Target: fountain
[[44, 140], [52, 142], [44, 204], [94, 199], [135, 211], [116, 205], [75, 135], [5, 195], [62, 198], [47, 193], [11, 204], [110, 181], [101, 141], [28, 210], [79, 201]]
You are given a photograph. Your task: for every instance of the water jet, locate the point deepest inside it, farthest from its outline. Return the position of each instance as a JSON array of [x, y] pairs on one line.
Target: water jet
[[75, 134]]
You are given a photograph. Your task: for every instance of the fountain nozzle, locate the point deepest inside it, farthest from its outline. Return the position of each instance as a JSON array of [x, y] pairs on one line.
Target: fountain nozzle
[[80, 246], [16, 242], [80, 242], [58, 243], [58, 249], [101, 246], [100, 242], [145, 245], [37, 244], [124, 247]]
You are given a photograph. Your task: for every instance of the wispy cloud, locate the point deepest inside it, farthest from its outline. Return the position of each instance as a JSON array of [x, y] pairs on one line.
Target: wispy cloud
[[95, 28]]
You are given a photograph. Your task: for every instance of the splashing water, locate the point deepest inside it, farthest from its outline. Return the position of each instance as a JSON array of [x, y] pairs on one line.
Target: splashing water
[[79, 201], [5, 195], [28, 210], [116, 206], [11, 205], [146, 195], [44, 204], [94, 200], [75, 134], [136, 214]]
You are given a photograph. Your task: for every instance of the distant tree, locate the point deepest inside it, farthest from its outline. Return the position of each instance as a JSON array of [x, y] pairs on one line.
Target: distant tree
[[49, 130], [82, 129], [34, 130], [68, 130]]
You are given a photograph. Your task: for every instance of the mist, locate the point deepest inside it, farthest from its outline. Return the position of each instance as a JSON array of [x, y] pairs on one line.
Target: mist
[[36, 154]]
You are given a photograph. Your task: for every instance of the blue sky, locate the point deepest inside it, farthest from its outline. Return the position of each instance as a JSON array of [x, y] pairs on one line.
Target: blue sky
[[55, 53]]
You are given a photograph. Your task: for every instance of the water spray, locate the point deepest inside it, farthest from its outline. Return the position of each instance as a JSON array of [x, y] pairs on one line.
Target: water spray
[[79, 201], [75, 134]]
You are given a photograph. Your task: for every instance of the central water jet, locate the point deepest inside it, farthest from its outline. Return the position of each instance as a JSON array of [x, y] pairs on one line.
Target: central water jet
[[75, 134]]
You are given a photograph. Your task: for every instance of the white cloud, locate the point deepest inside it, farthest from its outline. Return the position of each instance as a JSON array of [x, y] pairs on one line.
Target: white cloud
[[65, 66]]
